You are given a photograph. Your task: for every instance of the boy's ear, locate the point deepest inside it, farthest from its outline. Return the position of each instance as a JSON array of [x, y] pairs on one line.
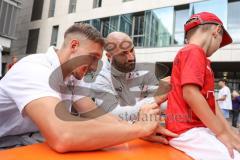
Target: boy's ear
[[218, 30], [215, 33]]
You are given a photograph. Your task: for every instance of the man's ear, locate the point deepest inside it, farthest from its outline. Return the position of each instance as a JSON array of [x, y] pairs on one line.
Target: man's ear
[[74, 45]]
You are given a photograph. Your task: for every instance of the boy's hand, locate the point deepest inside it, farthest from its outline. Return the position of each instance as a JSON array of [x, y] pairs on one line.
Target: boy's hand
[[230, 141]]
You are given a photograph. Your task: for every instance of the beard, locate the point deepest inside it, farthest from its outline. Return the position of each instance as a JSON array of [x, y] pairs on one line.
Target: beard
[[124, 67]]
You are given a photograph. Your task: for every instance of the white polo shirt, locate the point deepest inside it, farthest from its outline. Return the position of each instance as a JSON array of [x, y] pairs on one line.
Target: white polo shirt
[[27, 80], [227, 103]]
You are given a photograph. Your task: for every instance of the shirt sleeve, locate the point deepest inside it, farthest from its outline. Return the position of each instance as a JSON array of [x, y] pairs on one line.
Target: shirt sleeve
[[106, 98], [25, 84], [193, 68], [110, 104], [131, 112], [152, 82]]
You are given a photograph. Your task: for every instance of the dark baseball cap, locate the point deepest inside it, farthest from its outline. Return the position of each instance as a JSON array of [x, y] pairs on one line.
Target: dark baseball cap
[[207, 18]]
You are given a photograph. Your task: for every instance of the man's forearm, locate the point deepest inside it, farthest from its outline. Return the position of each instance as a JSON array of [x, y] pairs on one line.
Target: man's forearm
[[65, 132], [99, 133], [222, 98]]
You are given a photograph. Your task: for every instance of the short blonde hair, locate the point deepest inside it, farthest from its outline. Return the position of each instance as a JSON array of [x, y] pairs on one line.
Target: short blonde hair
[[87, 31]]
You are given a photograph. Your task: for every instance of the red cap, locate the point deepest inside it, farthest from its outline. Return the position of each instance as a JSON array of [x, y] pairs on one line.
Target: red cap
[[207, 18]]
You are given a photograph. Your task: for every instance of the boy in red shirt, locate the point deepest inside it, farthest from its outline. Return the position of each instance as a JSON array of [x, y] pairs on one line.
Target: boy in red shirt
[[192, 112]]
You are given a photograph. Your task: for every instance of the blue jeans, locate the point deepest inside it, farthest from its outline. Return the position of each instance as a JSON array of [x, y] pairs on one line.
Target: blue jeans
[[225, 113]]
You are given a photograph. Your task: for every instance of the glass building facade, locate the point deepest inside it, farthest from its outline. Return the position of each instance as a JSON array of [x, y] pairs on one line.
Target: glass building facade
[[164, 27]]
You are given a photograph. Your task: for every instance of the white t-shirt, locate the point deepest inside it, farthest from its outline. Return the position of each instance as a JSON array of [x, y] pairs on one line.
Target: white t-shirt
[[28, 79], [227, 103]]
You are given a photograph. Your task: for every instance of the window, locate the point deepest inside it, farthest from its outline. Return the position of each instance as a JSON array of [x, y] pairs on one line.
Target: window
[[8, 12], [97, 3], [181, 16], [54, 36], [97, 24], [7, 20], [114, 23], [126, 23], [234, 20], [109, 25], [133, 25], [37, 10], [218, 7], [138, 30], [159, 27], [72, 6], [32, 41], [52, 8], [87, 21], [12, 27], [105, 27], [3, 16]]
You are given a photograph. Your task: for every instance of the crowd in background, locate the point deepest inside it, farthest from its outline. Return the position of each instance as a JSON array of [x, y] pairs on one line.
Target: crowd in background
[[229, 102]]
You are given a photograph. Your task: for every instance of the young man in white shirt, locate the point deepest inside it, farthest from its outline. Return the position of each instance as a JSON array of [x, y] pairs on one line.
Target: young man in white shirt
[[224, 98], [32, 96]]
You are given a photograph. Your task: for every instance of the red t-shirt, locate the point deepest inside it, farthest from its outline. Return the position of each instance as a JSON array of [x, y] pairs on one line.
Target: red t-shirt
[[190, 66]]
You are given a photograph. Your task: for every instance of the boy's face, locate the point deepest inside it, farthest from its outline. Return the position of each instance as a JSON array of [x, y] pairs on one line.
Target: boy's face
[[216, 35]]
